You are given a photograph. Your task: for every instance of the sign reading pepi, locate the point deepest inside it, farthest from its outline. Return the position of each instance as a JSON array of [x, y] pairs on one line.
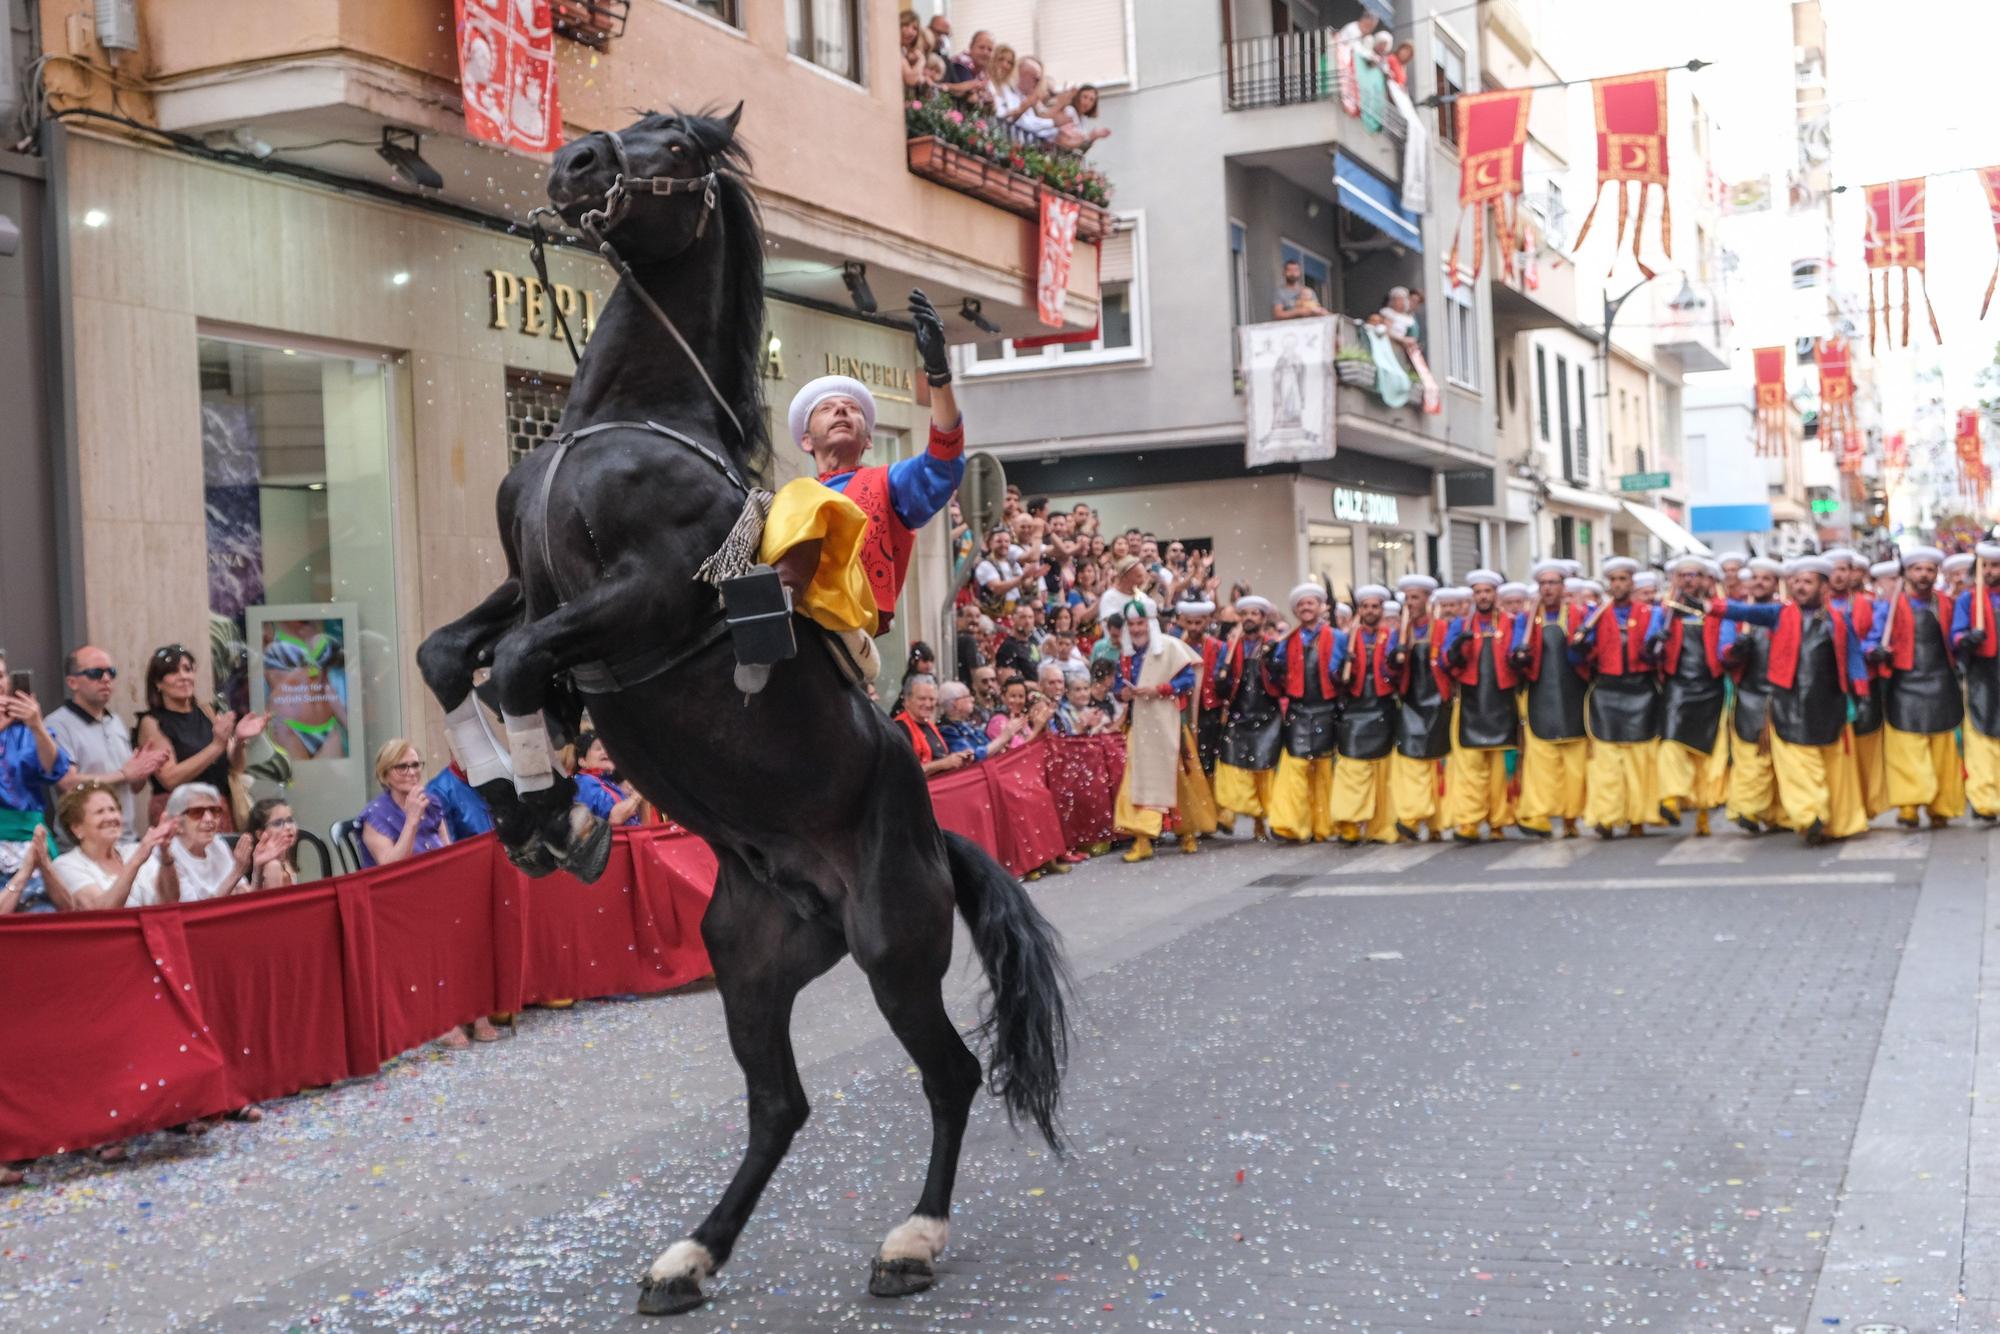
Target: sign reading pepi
[[1364, 507], [1645, 481]]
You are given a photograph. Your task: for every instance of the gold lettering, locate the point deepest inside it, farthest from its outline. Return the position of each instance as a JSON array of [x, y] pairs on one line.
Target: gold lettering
[[589, 316], [565, 307], [506, 292], [534, 308]]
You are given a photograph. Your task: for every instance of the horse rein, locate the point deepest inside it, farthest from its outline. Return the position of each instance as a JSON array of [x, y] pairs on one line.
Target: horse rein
[[598, 223]]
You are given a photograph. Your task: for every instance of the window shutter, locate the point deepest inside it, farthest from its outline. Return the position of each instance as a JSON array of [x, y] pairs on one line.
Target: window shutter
[[1082, 41], [1012, 23], [1114, 258]]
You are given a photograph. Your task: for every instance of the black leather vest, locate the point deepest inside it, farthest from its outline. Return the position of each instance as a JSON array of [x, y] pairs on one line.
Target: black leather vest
[[1487, 718], [1555, 699], [1421, 733], [1367, 721], [1693, 697], [1926, 698], [1255, 728], [1753, 685], [1982, 693], [1814, 711], [1309, 720]]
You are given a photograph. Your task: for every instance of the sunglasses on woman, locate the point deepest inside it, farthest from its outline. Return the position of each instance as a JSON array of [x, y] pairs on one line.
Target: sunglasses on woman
[[203, 812]]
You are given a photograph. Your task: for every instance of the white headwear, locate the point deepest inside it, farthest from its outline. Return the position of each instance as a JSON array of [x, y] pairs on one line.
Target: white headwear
[[1729, 556], [1646, 579], [1392, 609], [1619, 565], [818, 391], [1573, 585], [1304, 591], [1679, 563], [1512, 587], [1882, 569], [1987, 551], [1478, 577], [1572, 566], [1819, 565], [1195, 609], [1251, 602], [1371, 591], [1763, 565], [1957, 561], [1915, 554], [1592, 586], [1542, 567], [1842, 555], [1713, 566], [1417, 581], [1456, 593]]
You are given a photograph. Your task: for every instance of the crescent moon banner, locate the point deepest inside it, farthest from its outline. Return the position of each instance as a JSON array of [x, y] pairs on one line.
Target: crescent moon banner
[[1989, 180], [1774, 428], [1492, 137], [1839, 431], [1894, 239], [1632, 146]]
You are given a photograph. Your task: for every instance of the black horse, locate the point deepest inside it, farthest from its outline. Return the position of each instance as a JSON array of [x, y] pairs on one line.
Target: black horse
[[814, 805]]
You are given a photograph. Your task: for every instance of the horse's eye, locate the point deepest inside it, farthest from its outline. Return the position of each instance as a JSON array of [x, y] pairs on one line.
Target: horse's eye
[[677, 150]]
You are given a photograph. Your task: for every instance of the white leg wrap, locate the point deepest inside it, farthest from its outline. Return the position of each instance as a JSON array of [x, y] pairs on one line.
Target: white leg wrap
[[471, 739], [917, 1238], [686, 1258], [528, 740]]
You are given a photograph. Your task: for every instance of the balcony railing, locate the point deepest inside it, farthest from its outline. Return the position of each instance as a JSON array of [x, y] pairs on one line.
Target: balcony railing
[[980, 154], [1289, 68]]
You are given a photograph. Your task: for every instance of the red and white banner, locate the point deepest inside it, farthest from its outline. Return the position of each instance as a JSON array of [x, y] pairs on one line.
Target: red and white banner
[[1989, 180], [1774, 429], [1895, 240], [1839, 431], [1492, 136], [507, 73], [1632, 146], [1058, 242]]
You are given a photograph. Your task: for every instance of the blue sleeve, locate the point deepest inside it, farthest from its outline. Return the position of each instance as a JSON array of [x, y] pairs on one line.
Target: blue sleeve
[[1183, 680], [1343, 646], [1277, 655], [1725, 636], [594, 796], [1857, 662], [1658, 630], [1878, 628], [1756, 613], [1451, 633], [1961, 617], [921, 486], [1520, 636], [961, 739]]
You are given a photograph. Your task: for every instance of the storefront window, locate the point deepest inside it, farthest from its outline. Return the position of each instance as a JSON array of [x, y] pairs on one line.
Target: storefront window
[[1392, 554], [1330, 551], [301, 559]]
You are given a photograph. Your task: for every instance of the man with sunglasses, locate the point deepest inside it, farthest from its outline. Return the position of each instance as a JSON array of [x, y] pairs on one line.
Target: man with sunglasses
[[99, 742]]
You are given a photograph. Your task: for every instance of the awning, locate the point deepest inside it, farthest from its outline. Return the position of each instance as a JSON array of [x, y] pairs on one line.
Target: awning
[[1663, 527], [1375, 201], [1753, 518], [1581, 500]]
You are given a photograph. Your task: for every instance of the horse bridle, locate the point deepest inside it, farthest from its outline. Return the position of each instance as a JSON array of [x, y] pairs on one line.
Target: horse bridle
[[598, 224]]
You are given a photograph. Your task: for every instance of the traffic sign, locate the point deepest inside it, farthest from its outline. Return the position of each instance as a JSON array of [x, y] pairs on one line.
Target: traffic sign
[[1645, 481]]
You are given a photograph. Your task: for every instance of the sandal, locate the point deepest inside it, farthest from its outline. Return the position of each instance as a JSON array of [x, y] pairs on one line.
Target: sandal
[[485, 1032], [455, 1039], [111, 1153], [251, 1112], [11, 1175]]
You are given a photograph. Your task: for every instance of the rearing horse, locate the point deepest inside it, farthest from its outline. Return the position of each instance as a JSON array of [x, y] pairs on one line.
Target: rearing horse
[[815, 807]]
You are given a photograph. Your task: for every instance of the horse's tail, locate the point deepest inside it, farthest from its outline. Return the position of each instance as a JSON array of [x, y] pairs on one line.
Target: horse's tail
[[1025, 1020]]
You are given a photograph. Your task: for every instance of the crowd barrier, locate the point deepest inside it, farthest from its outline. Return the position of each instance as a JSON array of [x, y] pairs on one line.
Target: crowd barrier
[[128, 1021]]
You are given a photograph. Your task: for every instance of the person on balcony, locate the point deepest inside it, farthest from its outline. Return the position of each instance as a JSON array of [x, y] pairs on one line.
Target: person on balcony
[[965, 77], [1296, 299]]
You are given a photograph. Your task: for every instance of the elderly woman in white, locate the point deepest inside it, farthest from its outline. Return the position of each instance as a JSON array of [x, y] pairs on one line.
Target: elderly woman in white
[[104, 870], [204, 864]]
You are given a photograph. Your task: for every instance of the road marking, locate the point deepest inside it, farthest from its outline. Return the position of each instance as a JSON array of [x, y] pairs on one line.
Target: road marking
[[1543, 856], [1395, 857], [1885, 848], [1390, 889], [1695, 851]]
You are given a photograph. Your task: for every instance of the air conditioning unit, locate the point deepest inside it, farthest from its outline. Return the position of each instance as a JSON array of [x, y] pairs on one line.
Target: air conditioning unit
[[118, 25]]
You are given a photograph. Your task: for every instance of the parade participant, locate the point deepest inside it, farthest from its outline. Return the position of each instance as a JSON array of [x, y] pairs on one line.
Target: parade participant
[[845, 559], [1813, 664], [1977, 646], [1691, 770], [1753, 789], [1450, 603], [1423, 715], [1554, 744], [1366, 733], [1646, 587], [1619, 647], [1848, 593], [1192, 621], [1155, 673], [1305, 665], [1473, 659], [1732, 563], [1514, 599], [1253, 733], [1886, 577], [1921, 704], [1128, 577], [1954, 576]]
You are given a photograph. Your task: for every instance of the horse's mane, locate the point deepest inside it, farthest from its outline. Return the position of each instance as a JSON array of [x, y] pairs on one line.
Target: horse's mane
[[740, 376]]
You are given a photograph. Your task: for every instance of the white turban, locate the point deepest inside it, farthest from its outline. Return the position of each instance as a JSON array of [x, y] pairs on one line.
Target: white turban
[[1763, 565], [1478, 577], [1195, 609], [1304, 591], [1681, 563], [1572, 584], [1842, 555], [1729, 556], [1542, 567], [1251, 602], [1508, 589], [1371, 591], [1819, 565], [1883, 569], [1915, 554], [1645, 579], [1987, 551], [820, 390], [1619, 565], [1410, 582], [1958, 561]]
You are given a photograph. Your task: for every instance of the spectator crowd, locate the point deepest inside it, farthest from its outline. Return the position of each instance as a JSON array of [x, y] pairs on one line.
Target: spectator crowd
[[991, 79]]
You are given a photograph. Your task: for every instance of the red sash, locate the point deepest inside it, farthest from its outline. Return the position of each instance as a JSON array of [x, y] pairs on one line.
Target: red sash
[[1991, 648], [1211, 653], [1374, 652], [1784, 668], [1612, 655], [1711, 643], [1295, 663], [1572, 617], [918, 741], [1902, 638]]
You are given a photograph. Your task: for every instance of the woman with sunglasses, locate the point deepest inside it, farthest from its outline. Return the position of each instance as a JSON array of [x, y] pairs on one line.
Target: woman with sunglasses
[[204, 863], [207, 748]]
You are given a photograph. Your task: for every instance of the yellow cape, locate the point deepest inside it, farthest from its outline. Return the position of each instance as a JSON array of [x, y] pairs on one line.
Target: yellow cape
[[806, 510]]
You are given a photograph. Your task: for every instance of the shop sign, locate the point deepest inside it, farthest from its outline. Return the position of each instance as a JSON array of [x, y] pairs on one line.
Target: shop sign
[[872, 373], [1364, 507], [1645, 481], [520, 301]]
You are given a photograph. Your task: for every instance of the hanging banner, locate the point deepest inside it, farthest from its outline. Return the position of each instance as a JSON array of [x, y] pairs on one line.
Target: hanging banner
[[1989, 180], [1774, 435], [1839, 431], [1632, 147], [1058, 243], [507, 73], [1287, 390], [1895, 453], [1895, 240], [1492, 136], [1973, 477]]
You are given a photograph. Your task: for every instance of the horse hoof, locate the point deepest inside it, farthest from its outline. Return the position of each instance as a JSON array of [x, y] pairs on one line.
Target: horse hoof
[[534, 861], [676, 1296], [900, 1278], [586, 860]]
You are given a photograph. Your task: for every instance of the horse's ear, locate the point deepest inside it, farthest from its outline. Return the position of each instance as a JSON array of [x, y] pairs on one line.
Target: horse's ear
[[729, 123]]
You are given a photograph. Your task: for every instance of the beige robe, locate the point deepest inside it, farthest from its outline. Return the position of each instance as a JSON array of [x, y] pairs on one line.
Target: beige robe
[[1153, 745]]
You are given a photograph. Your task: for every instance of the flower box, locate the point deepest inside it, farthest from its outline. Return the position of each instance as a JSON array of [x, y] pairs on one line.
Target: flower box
[[935, 160]]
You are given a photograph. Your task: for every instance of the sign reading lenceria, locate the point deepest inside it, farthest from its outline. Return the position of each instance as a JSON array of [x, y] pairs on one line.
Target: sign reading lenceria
[[1645, 481]]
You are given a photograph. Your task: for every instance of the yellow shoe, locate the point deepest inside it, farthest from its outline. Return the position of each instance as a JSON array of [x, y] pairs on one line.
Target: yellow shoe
[[1225, 822], [1701, 824], [557, 1004], [1569, 827], [1142, 849], [1189, 844], [1056, 867]]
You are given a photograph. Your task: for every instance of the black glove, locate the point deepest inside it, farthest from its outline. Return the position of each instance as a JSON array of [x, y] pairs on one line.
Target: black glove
[[930, 338], [1520, 658], [1399, 657], [1878, 657], [1455, 655], [1654, 651], [1732, 656], [1974, 638]]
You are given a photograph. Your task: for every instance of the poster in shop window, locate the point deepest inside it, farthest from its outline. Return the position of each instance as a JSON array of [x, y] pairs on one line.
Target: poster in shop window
[[1288, 391], [300, 677]]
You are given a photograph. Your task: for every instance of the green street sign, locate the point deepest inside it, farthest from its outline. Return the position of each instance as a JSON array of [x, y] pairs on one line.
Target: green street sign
[[1826, 505], [1645, 481]]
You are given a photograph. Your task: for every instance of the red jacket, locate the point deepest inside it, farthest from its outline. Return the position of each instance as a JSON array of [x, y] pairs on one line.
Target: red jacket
[[1613, 654], [1711, 643], [1295, 662], [1572, 619], [1498, 626], [1901, 639], [1210, 691], [1369, 651]]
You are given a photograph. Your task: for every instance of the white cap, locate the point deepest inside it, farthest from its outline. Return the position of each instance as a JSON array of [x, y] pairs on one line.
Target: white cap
[[1251, 602], [1819, 565], [1512, 587], [1592, 586], [1456, 593], [1392, 608], [1478, 577], [1342, 609], [1763, 565], [1646, 579], [1573, 584], [1572, 566], [1195, 609], [1961, 560], [1713, 566], [1987, 551], [1619, 565], [1915, 554], [1304, 591], [1367, 591], [1680, 563], [1417, 581], [1882, 569], [818, 391], [1542, 567], [1842, 555], [1728, 556]]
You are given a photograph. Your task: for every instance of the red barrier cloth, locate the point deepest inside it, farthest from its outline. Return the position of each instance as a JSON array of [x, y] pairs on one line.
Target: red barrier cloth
[[961, 805], [1082, 774], [1028, 829]]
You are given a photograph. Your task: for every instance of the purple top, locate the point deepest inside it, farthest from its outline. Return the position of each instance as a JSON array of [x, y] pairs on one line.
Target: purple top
[[385, 816]]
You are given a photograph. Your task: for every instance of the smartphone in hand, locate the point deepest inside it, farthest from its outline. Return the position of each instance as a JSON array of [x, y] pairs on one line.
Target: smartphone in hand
[[21, 683]]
